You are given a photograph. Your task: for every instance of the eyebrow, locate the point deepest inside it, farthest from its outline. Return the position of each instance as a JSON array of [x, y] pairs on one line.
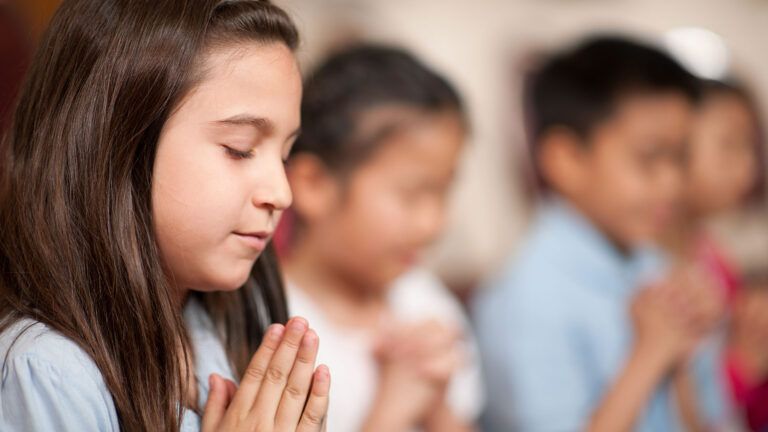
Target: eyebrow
[[263, 125]]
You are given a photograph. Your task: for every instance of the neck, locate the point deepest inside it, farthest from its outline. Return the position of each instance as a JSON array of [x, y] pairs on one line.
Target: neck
[[585, 211], [345, 300], [181, 294]]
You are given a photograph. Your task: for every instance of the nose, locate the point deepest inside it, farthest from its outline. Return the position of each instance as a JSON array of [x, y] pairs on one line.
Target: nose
[[273, 192]]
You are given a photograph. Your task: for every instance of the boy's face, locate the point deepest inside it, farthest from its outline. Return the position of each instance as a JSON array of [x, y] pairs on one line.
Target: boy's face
[[627, 178]]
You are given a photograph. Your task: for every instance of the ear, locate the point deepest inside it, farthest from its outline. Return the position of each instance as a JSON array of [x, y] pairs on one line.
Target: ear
[[315, 190], [563, 162]]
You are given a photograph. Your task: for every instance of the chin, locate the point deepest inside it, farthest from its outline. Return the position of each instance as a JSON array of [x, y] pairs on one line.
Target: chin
[[232, 284], [226, 281]]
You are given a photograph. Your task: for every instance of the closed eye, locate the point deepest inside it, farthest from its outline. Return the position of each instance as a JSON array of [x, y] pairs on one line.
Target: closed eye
[[238, 154]]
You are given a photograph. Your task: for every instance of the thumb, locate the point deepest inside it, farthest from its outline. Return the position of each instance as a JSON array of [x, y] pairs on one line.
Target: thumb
[[219, 396]]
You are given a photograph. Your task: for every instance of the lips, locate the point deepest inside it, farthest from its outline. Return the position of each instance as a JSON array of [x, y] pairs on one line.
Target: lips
[[255, 240]]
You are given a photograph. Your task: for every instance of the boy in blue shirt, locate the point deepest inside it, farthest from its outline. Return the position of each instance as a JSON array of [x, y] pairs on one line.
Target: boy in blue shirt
[[580, 332]]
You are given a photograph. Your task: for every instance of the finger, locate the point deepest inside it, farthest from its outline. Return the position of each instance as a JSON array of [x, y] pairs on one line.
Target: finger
[[313, 418], [231, 388], [256, 370], [441, 368], [296, 392], [398, 342], [279, 368], [440, 342], [217, 403]]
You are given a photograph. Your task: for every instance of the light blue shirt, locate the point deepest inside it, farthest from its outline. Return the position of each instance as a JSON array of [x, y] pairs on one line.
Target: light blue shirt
[[555, 331], [49, 384]]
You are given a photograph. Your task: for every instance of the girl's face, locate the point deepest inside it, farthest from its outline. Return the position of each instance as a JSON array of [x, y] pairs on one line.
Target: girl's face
[[219, 184], [722, 162], [392, 206]]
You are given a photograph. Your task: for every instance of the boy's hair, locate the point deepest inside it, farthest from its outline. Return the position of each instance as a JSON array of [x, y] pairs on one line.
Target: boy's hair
[[578, 88], [351, 83]]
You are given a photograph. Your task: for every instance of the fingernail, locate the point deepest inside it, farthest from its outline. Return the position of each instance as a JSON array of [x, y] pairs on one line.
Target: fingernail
[[298, 323], [323, 373], [310, 338], [211, 381], [275, 331]]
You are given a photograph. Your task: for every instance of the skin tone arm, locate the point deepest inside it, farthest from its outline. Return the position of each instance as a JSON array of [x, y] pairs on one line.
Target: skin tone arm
[[387, 416], [704, 301], [443, 419], [661, 339], [416, 364], [685, 396], [669, 321], [748, 338]]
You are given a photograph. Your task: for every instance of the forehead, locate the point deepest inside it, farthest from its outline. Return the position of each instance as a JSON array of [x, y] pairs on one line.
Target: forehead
[[429, 144], [727, 105], [653, 114], [256, 78]]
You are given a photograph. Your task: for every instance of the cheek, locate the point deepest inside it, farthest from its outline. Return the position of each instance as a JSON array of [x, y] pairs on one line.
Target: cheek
[[195, 205], [705, 162], [631, 198], [369, 230], [743, 169], [620, 177], [194, 196], [368, 226], [713, 186], [386, 217]]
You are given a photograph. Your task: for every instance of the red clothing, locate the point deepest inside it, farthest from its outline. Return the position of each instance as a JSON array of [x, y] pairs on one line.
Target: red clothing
[[720, 267], [750, 397]]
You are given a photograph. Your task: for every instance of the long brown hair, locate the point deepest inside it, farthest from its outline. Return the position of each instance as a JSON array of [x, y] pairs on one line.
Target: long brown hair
[[77, 248]]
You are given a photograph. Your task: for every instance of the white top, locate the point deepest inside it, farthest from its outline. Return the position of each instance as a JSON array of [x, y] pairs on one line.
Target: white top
[[348, 352]]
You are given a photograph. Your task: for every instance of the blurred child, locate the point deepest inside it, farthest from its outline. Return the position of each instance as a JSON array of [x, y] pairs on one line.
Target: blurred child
[[370, 174], [722, 171], [574, 333]]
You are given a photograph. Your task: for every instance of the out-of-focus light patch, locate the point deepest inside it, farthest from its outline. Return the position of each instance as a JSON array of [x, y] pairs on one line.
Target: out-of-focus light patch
[[702, 51]]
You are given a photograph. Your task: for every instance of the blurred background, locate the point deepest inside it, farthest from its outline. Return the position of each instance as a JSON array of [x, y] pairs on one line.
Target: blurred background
[[484, 47]]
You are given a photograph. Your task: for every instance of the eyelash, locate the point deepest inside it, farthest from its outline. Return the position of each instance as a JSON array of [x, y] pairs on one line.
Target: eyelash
[[240, 155], [237, 154]]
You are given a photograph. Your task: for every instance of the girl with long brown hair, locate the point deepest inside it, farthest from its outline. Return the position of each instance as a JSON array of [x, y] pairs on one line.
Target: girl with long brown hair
[[142, 178]]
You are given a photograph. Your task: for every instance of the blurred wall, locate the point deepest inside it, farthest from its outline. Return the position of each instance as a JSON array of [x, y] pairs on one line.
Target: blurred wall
[[482, 46], [36, 13]]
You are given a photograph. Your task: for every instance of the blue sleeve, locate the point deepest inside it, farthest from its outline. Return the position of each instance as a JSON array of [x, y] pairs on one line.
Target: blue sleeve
[[534, 368], [709, 375], [37, 395]]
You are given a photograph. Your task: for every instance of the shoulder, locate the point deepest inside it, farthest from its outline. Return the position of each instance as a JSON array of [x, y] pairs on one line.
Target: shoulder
[[534, 289], [32, 342], [49, 381]]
